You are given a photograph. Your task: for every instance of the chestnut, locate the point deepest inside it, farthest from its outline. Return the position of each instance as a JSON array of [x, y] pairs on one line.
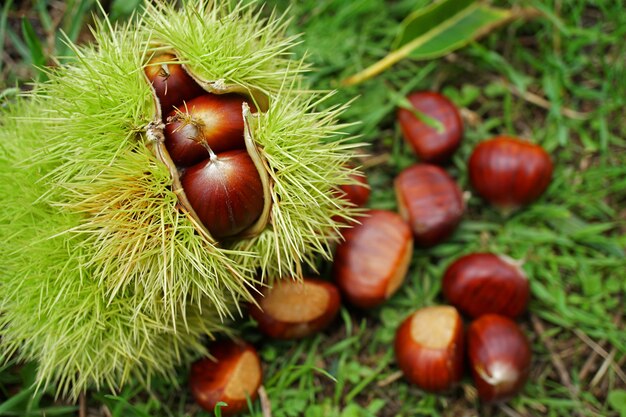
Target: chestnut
[[499, 356], [296, 309], [509, 172], [429, 143], [210, 121], [430, 200], [429, 348], [171, 82], [225, 191], [372, 261], [232, 375], [358, 193], [482, 283]]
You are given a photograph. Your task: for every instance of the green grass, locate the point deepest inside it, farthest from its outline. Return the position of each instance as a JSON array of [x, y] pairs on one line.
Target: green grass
[[573, 239]]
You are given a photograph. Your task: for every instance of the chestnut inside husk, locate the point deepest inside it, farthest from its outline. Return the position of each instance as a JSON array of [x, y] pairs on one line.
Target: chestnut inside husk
[[157, 135]]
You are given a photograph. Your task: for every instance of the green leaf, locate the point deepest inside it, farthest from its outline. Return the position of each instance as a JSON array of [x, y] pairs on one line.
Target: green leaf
[[18, 399], [421, 21], [465, 27], [439, 29], [37, 57], [404, 103], [617, 400], [72, 24]]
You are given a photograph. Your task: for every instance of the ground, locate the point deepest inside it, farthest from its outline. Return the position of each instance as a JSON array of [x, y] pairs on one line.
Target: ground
[[559, 80]]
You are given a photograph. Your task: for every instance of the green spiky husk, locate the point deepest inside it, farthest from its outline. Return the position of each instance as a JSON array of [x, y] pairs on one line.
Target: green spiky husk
[[104, 276]]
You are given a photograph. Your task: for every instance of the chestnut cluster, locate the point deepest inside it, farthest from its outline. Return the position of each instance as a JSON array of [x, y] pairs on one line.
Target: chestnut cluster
[[506, 171], [204, 138], [372, 261], [289, 310], [431, 344], [492, 290]]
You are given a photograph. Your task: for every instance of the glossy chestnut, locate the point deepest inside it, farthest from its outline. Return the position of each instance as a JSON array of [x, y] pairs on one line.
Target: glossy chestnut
[[372, 261], [225, 191], [171, 82], [211, 120], [232, 375], [499, 356], [483, 283], [431, 202], [509, 172], [293, 309], [433, 144], [429, 348]]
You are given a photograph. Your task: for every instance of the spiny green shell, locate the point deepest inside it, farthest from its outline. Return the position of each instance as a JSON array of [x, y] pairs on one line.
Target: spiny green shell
[[103, 275]]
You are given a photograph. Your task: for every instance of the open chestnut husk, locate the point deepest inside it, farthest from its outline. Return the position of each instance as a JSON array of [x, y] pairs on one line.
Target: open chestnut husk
[[98, 218], [509, 172], [499, 356], [231, 375], [483, 283], [431, 202], [294, 310], [429, 348], [431, 144], [372, 261], [227, 191]]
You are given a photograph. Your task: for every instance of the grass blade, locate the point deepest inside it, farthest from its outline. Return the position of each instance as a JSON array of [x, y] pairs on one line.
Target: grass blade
[[3, 26], [37, 57]]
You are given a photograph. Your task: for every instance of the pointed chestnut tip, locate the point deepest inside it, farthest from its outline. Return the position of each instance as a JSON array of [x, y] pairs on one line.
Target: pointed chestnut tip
[[231, 375], [226, 192], [429, 348], [172, 85], [213, 121], [499, 355], [296, 309]]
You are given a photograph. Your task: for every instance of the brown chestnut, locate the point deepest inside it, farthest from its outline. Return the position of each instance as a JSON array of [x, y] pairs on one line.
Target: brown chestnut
[[171, 82], [432, 144], [210, 121], [357, 193], [482, 283], [296, 309], [225, 191], [509, 172], [429, 348], [232, 375], [430, 200], [499, 356], [371, 263]]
